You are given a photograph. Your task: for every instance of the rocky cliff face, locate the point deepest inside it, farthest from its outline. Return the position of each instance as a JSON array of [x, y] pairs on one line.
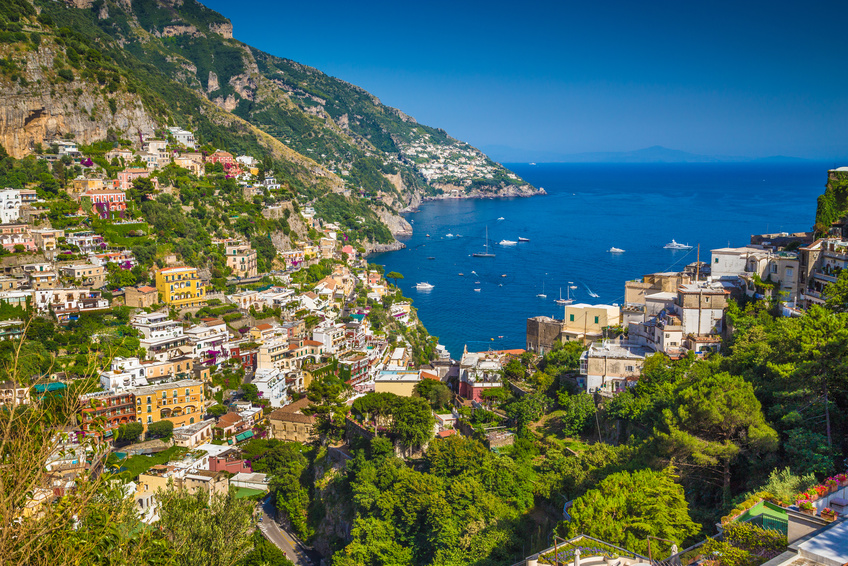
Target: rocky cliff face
[[31, 114]]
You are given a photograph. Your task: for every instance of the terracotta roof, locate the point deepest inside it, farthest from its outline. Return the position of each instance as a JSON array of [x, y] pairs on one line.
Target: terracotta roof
[[229, 420], [426, 375], [446, 433], [291, 413], [312, 343], [263, 326], [146, 289]]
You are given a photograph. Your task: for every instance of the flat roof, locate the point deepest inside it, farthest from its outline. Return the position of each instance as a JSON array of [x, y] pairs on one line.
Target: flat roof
[[831, 544]]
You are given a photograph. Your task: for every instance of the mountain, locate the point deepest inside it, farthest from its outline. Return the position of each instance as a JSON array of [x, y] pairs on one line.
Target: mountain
[[115, 70], [654, 154]]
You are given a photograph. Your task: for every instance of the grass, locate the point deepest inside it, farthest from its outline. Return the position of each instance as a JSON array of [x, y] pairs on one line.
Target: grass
[[246, 492], [118, 233], [141, 463]]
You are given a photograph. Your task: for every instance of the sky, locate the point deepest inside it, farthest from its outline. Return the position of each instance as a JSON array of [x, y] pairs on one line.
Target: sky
[[751, 79]]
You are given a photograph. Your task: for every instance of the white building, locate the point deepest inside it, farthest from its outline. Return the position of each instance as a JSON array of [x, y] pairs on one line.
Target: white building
[[183, 136], [271, 384], [10, 205]]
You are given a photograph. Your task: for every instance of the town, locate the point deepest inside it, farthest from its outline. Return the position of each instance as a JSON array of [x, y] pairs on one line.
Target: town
[[187, 373]]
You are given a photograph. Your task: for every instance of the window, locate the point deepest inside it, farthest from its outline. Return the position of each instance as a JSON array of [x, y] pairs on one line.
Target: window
[[149, 410], [148, 399], [667, 335], [706, 299], [571, 318], [716, 260], [187, 393], [596, 320], [149, 419]]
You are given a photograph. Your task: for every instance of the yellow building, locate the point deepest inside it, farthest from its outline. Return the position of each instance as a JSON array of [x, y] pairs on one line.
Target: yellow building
[[180, 287], [586, 322], [180, 402]]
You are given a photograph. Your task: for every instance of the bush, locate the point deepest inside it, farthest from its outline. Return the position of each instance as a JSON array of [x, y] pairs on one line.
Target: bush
[[162, 429], [66, 74]]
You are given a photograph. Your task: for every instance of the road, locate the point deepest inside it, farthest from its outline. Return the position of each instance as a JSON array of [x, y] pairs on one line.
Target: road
[[284, 540]]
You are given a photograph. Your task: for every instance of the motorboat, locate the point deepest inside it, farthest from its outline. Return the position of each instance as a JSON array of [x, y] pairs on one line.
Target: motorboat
[[476, 290], [461, 274], [677, 246], [448, 235], [424, 286], [520, 239], [507, 243], [500, 219], [615, 250]]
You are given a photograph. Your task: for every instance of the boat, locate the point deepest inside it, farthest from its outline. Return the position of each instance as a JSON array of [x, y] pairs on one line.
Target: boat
[[615, 250], [567, 300], [476, 290], [476, 282], [448, 235], [428, 235], [542, 295], [462, 275], [531, 164], [486, 253], [474, 272], [500, 219], [677, 246], [520, 239], [431, 257], [504, 275], [424, 286], [507, 243]]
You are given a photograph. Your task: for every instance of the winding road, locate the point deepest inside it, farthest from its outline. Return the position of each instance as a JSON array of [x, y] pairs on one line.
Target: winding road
[[283, 539]]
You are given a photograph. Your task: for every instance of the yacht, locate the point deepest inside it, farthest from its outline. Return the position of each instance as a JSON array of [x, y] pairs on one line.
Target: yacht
[[486, 253], [615, 250], [507, 243], [567, 300], [542, 295], [677, 246], [424, 286], [520, 239], [500, 219], [448, 235]]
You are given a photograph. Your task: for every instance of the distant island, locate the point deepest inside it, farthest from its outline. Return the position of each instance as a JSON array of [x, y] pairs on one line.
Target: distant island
[[653, 154]]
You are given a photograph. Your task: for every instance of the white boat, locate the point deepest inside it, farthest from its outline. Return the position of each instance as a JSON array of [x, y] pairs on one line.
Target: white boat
[[424, 286], [507, 243], [520, 239], [486, 253], [567, 300], [448, 235], [677, 246], [542, 295], [500, 218], [615, 250], [476, 290]]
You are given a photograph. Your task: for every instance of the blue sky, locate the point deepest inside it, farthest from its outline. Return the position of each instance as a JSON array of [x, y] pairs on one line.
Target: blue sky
[[721, 78]]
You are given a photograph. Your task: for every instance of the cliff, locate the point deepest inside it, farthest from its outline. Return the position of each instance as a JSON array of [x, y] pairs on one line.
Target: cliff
[[833, 204]]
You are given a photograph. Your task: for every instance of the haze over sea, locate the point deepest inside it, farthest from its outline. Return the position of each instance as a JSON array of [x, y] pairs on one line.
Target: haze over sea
[[589, 208]]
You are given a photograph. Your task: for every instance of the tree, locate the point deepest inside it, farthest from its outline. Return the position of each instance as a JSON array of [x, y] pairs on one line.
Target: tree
[[264, 553], [435, 392], [514, 370], [129, 432], [836, 294], [578, 410], [716, 418], [412, 421], [394, 275], [627, 507], [529, 408], [206, 528], [217, 410], [327, 405], [250, 393], [142, 188], [161, 429]]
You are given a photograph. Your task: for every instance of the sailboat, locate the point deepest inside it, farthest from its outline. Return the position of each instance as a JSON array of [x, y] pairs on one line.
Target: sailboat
[[486, 253], [542, 295], [568, 300]]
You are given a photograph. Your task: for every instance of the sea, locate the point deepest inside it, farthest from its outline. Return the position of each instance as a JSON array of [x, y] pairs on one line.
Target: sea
[[484, 303]]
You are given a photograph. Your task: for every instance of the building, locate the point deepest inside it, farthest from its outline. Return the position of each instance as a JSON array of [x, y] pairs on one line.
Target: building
[[10, 206], [47, 239], [231, 424], [820, 264], [180, 287], [272, 386], [225, 158], [106, 203], [754, 265], [86, 274], [13, 235], [86, 241], [241, 258], [161, 338], [195, 167], [291, 425], [582, 322], [610, 367], [127, 176], [479, 372], [180, 402], [182, 136], [193, 435], [102, 412], [142, 296], [401, 383], [13, 394]]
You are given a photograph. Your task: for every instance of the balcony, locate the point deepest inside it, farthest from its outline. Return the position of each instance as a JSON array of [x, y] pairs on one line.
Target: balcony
[[821, 275]]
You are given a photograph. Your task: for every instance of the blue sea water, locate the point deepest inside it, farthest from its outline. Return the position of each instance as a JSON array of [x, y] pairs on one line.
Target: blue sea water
[[589, 208]]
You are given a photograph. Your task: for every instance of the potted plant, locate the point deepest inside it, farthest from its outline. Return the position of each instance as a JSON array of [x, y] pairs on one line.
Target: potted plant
[[811, 494], [842, 479], [828, 514], [831, 484], [821, 490], [806, 507], [610, 558]]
